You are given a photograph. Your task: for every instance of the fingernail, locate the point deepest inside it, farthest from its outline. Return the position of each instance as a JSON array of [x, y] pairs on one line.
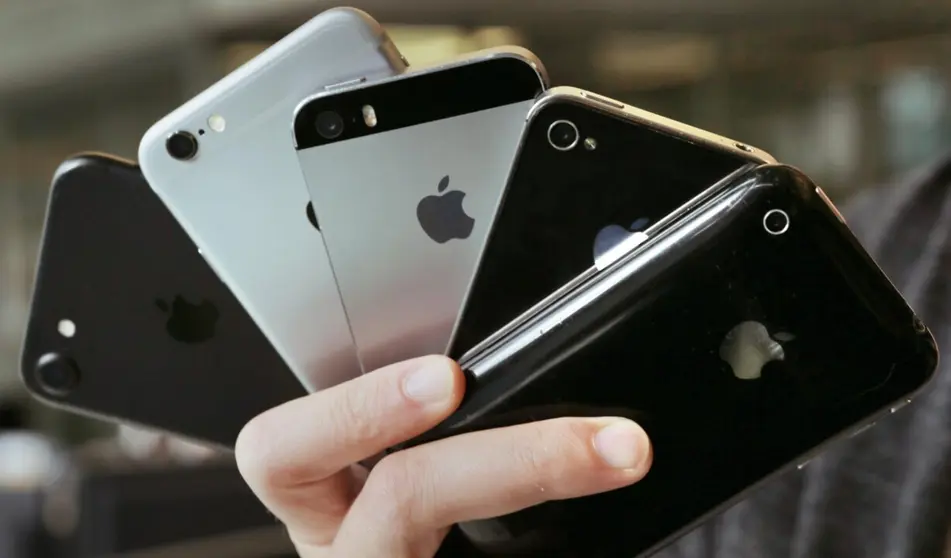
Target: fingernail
[[432, 383], [622, 444]]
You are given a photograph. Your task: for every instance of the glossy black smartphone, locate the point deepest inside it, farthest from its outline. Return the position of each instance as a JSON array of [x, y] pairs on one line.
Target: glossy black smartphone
[[589, 171], [129, 323], [743, 338]]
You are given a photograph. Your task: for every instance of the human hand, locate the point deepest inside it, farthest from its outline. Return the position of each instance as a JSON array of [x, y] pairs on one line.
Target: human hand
[[301, 461]]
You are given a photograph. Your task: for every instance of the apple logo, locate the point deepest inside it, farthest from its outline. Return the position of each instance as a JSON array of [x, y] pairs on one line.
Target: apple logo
[[312, 215], [187, 322], [748, 347], [442, 216], [612, 235]]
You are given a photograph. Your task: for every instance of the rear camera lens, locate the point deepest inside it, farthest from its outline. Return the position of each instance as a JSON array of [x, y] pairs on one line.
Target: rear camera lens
[[329, 125], [182, 146], [563, 135], [56, 374], [776, 222]]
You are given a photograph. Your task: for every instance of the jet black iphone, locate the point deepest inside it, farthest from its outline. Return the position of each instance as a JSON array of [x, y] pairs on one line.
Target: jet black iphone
[[588, 172], [129, 323], [743, 338]]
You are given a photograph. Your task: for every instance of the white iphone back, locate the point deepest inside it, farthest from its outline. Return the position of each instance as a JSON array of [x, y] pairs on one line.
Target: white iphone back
[[376, 197], [243, 200]]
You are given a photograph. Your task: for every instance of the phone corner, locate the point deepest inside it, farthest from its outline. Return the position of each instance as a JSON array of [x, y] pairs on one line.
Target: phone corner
[[527, 58], [346, 15], [783, 176], [928, 355], [352, 20], [551, 96], [26, 367], [754, 154], [394, 57], [532, 60], [72, 164], [296, 114]]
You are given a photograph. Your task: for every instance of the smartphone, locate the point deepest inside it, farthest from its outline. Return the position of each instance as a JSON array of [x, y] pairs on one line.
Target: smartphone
[[129, 323], [225, 166], [744, 338], [590, 171], [405, 175]]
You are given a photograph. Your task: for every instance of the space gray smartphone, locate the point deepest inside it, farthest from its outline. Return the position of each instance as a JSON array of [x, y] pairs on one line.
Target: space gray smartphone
[[405, 176], [744, 338], [127, 321], [224, 165]]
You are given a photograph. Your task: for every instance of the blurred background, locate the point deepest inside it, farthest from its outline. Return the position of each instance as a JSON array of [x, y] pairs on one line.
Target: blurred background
[[854, 92]]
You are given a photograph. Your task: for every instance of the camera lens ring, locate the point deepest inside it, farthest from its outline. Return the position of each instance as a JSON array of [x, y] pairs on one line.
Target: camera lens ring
[[329, 124], [182, 146], [57, 375], [775, 222], [574, 135]]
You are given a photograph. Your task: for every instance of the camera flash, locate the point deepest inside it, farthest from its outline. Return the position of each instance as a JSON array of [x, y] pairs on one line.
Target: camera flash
[[66, 328], [217, 122], [369, 116], [590, 144]]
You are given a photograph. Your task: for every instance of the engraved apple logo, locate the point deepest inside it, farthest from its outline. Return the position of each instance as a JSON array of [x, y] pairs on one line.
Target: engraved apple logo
[[187, 322], [442, 216]]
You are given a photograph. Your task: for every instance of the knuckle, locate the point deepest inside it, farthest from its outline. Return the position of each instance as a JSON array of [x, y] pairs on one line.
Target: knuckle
[[355, 413], [401, 488], [254, 454], [528, 449], [549, 450], [270, 453], [392, 484], [269, 459]]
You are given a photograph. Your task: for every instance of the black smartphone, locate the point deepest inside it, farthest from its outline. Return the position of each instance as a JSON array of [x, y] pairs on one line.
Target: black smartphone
[[589, 171], [743, 338], [128, 322]]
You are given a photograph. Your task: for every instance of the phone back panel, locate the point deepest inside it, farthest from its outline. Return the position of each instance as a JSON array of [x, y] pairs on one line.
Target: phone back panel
[[564, 208], [243, 200], [744, 339], [405, 211], [157, 340]]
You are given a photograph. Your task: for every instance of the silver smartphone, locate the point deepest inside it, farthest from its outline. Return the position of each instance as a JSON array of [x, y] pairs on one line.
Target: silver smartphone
[[405, 175], [224, 165], [744, 337]]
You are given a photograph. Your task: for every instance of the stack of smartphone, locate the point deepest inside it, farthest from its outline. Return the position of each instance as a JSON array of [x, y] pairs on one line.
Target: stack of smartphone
[[325, 210]]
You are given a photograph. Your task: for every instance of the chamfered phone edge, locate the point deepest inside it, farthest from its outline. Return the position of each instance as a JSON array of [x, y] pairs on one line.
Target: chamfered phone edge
[[405, 176]]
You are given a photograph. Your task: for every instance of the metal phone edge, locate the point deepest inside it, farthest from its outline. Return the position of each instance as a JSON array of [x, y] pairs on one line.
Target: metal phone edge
[[115, 420], [633, 114]]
